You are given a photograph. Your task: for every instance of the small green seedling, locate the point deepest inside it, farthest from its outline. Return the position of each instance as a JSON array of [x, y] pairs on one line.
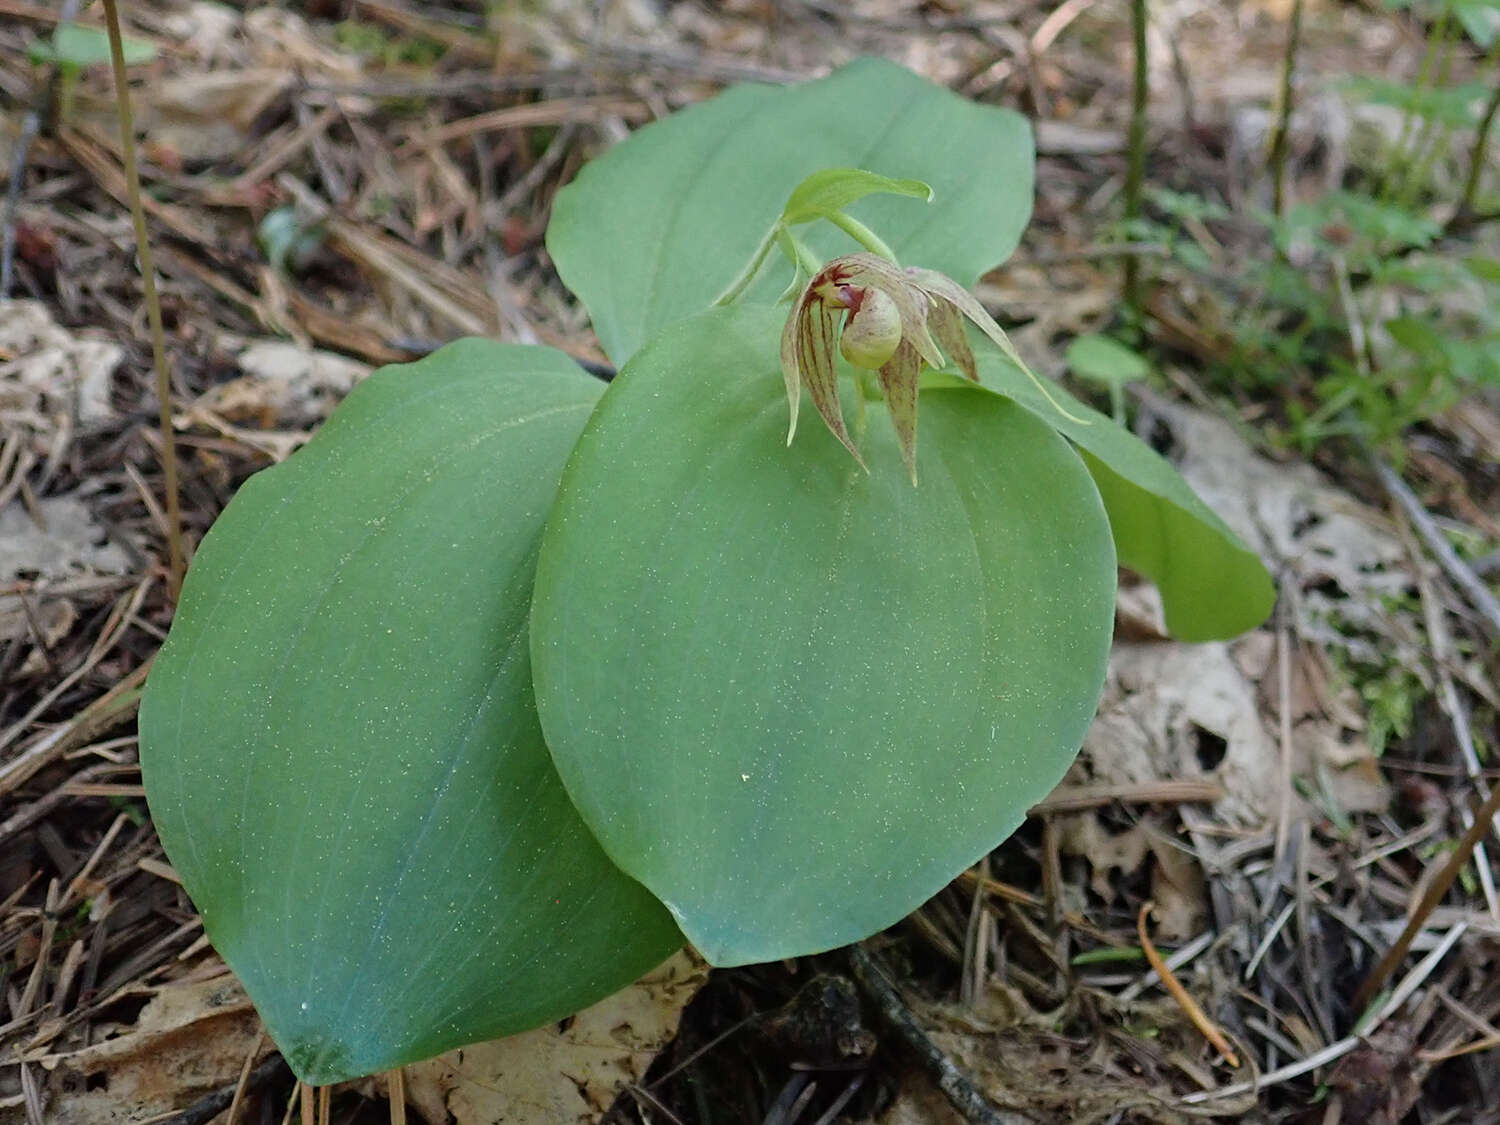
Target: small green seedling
[[508, 683], [72, 49], [1106, 361], [76, 48]]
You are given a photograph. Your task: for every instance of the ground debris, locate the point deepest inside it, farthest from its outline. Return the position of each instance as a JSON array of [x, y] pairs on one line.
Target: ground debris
[[563, 1074]]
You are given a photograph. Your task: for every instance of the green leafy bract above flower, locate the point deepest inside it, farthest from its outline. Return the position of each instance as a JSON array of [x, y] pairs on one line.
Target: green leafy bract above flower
[[826, 193]]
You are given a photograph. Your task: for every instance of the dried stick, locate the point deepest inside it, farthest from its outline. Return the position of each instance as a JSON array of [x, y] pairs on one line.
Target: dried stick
[[206, 1108], [955, 1085], [153, 303], [1191, 1008], [1455, 862]]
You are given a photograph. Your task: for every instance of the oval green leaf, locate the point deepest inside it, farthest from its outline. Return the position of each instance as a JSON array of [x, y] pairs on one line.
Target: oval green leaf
[[791, 698], [655, 229], [339, 740], [1212, 585]]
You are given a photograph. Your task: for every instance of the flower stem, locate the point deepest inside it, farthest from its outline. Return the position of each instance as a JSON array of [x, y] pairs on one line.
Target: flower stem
[[752, 267], [862, 235], [797, 250], [175, 565]]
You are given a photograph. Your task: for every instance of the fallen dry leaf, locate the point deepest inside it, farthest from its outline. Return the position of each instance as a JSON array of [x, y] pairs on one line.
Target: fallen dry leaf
[[283, 384], [560, 1075], [46, 370], [189, 1040], [208, 115], [69, 542]]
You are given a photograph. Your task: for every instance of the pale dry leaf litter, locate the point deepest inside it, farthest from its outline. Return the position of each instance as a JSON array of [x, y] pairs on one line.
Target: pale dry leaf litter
[[59, 539], [566, 1074], [191, 1039], [53, 383], [49, 376], [281, 384]]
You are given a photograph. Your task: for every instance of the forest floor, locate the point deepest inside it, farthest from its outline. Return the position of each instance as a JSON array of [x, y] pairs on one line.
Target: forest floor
[[1284, 799]]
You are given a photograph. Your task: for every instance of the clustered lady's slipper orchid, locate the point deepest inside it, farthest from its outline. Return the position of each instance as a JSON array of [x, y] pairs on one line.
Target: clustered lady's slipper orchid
[[897, 320]]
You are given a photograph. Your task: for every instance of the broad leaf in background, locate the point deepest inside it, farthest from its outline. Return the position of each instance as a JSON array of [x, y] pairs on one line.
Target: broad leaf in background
[[1104, 360], [1212, 585], [792, 698], [340, 744], [655, 229]]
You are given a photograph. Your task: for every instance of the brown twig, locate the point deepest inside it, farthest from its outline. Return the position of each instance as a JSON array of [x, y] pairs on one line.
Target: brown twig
[[1074, 798], [954, 1083], [1455, 862], [1183, 997], [396, 1092]]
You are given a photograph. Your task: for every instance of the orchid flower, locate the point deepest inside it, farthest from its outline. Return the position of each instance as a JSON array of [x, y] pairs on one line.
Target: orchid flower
[[895, 321]]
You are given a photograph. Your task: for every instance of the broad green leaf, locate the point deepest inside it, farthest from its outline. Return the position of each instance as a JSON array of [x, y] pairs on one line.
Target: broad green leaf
[[339, 742], [792, 698], [833, 189], [1212, 585], [76, 46], [655, 229]]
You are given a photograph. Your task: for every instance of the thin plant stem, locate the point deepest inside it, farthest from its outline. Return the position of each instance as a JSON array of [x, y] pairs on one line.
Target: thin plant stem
[[153, 303], [862, 235], [396, 1088], [1432, 137], [1135, 171], [799, 252], [1400, 160], [1280, 138], [1479, 154], [752, 267]]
